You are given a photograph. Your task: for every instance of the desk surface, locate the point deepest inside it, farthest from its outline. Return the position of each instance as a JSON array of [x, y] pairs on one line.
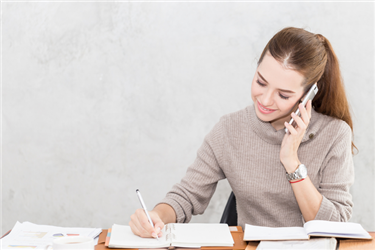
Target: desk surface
[[344, 244]]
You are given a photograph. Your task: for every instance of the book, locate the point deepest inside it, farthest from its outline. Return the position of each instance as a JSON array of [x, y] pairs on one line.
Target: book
[[316, 243], [312, 228], [191, 235]]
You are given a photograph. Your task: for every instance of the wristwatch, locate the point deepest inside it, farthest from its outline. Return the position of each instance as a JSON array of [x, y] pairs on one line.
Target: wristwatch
[[300, 173]]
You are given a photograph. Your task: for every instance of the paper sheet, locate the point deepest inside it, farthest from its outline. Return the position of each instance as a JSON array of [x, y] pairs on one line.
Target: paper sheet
[[27, 235], [315, 243], [274, 233]]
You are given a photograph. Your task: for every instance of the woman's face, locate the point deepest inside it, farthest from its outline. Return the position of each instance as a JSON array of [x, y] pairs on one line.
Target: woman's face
[[276, 89]]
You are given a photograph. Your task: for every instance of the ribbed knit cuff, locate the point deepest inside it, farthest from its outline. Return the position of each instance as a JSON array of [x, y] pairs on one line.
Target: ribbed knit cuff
[[177, 208], [325, 211]]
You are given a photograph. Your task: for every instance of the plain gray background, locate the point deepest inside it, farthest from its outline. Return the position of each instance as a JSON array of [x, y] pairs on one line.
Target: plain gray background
[[99, 99]]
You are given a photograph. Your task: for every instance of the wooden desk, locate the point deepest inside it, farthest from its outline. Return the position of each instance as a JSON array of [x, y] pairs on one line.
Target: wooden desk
[[343, 244], [239, 244], [358, 244]]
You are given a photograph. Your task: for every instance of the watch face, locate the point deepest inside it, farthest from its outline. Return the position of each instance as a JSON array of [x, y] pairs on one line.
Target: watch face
[[302, 170]]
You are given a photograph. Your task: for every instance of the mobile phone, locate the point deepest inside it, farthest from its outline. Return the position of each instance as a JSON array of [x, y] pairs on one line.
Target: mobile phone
[[310, 96]]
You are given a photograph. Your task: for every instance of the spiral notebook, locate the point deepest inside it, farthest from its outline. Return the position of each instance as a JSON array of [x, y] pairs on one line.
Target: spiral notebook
[[192, 235]]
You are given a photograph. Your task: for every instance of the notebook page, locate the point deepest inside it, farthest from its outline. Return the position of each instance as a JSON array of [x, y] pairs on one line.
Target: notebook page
[[274, 233], [201, 234], [318, 243], [338, 229], [123, 237]]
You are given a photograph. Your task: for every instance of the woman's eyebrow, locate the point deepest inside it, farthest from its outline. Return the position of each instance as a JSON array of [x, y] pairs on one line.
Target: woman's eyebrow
[[283, 90]]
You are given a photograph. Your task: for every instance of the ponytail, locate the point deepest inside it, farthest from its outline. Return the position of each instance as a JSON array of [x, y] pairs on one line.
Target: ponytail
[[331, 98]]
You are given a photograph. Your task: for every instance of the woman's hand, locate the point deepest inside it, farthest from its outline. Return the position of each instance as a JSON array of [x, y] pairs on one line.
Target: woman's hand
[[292, 140], [140, 225]]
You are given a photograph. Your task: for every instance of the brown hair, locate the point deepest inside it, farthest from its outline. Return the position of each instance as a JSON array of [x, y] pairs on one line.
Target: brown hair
[[312, 55]]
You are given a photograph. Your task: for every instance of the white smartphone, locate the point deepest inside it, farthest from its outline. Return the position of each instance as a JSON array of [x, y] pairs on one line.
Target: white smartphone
[[310, 96]]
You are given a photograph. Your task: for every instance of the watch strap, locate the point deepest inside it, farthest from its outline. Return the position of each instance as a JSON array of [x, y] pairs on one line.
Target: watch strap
[[296, 175]]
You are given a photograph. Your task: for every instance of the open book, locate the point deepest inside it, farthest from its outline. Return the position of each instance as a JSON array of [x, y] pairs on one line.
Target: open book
[[311, 228], [192, 235]]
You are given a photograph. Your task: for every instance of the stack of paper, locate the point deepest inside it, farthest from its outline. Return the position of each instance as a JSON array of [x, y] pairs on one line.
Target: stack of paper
[[27, 235]]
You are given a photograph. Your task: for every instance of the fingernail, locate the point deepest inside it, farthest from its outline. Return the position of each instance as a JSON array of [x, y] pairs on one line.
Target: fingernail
[[158, 230], [153, 235], [293, 114]]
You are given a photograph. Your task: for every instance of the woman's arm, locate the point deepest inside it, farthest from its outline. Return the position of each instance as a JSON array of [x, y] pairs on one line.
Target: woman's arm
[[166, 213], [331, 200], [192, 195], [308, 197]]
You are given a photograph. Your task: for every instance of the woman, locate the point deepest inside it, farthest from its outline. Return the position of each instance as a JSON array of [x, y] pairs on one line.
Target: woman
[[251, 149]]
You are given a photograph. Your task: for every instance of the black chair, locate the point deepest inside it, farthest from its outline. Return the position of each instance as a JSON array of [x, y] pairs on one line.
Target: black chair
[[230, 212]]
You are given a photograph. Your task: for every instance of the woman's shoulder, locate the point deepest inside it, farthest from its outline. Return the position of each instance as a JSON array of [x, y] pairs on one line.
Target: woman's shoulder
[[234, 124], [235, 118], [329, 125]]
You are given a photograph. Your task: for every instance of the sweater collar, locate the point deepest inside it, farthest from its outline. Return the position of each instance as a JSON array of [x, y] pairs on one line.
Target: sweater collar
[[269, 134]]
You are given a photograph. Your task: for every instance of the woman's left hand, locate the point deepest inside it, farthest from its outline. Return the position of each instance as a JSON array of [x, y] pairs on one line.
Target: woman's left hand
[[292, 139]]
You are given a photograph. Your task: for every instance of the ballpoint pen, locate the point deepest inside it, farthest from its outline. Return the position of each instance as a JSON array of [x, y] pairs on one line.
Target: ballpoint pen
[[145, 209]]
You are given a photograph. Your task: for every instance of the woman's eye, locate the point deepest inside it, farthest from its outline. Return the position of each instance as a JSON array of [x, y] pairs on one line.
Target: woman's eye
[[261, 84], [284, 97]]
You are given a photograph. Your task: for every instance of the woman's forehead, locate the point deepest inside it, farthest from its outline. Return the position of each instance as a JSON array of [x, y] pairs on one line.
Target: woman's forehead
[[277, 75]]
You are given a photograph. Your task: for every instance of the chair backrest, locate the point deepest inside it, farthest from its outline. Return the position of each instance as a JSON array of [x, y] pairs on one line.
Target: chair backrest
[[230, 212]]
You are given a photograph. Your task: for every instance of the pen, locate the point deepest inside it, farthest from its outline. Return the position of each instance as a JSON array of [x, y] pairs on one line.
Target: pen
[[145, 209]]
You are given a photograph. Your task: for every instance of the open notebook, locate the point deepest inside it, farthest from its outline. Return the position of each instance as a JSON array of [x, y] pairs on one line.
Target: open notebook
[[192, 235], [311, 228]]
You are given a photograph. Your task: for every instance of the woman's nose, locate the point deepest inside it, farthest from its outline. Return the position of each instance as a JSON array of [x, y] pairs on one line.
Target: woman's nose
[[267, 98]]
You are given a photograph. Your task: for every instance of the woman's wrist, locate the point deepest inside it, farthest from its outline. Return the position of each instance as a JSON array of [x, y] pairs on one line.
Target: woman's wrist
[[166, 213], [291, 166]]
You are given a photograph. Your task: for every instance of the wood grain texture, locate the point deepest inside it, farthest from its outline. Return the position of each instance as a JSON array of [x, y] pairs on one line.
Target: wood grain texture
[[358, 244]]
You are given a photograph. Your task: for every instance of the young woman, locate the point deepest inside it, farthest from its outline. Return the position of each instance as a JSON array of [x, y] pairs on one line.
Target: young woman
[[251, 149]]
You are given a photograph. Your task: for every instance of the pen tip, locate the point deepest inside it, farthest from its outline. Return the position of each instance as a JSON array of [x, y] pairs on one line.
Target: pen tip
[[137, 190]]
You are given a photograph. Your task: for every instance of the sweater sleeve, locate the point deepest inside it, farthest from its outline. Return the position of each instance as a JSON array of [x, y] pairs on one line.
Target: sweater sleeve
[[337, 175], [192, 195]]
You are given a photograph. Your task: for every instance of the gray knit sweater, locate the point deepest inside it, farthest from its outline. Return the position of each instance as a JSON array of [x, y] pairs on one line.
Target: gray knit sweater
[[246, 151]]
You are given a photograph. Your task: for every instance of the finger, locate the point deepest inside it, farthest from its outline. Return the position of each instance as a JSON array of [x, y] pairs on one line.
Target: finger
[[291, 129], [304, 113], [134, 228], [159, 225], [143, 224], [309, 108], [298, 120]]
